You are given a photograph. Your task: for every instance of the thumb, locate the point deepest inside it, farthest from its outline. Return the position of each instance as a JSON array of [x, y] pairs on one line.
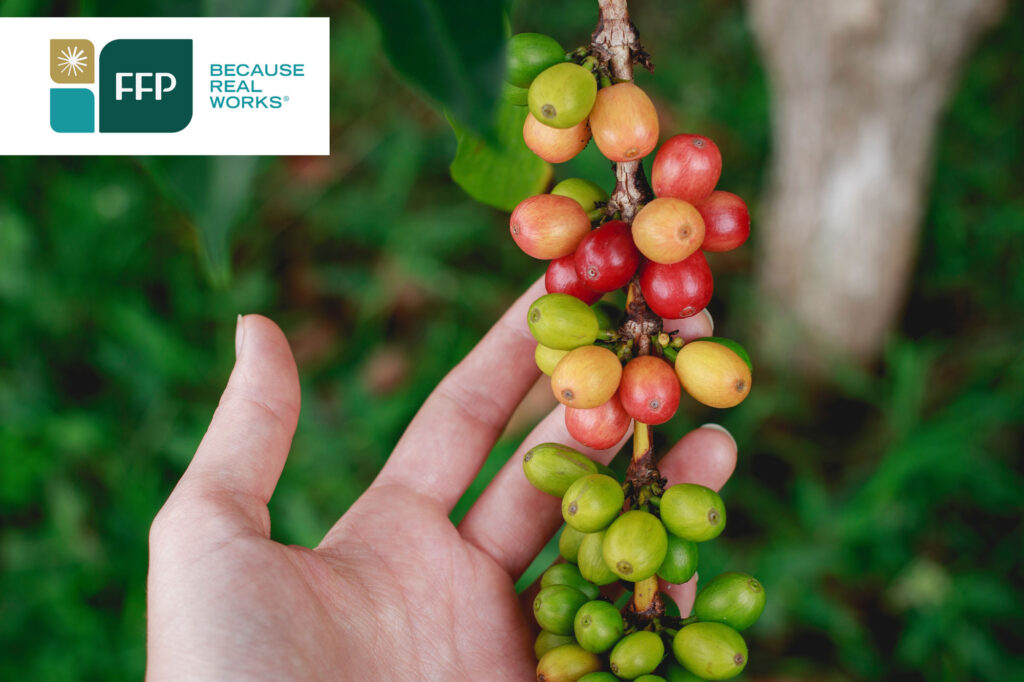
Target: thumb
[[245, 448]]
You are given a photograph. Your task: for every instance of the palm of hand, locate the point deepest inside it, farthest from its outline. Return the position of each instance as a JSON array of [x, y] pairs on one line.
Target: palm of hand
[[394, 591]]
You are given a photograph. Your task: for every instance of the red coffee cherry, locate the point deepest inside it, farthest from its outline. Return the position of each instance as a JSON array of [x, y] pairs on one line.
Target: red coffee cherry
[[686, 167], [677, 290], [726, 221], [555, 145], [649, 390], [624, 122], [607, 258], [561, 278], [548, 226], [599, 427]]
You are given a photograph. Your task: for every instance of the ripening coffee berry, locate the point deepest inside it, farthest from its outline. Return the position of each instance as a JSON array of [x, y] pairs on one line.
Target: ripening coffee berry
[[562, 95], [568, 574], [562, 322], [668, 230], [606, 258], [528, 55], [713, 374], [624, 122], [736, 599], [597, 626], [546, 358], [552, 467], [711, 650], [686, 167], [548, 226], [726, 221], [734, 346], [599, 427], [588, 194], [546, 641], [586, 377], [555, 145], [637, 654], [592, 502], [693, 512], [678, 290], [567, 663], [590, 560], [680, 560], [569, 541], [555, 606], [635, 545], [649, 390], [561, 278]]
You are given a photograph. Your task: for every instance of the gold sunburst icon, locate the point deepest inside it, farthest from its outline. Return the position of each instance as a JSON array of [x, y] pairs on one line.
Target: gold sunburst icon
[[72, 61]]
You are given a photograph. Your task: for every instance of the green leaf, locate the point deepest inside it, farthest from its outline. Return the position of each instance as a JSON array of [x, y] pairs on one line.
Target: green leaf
[[502, 173], [453, 51]]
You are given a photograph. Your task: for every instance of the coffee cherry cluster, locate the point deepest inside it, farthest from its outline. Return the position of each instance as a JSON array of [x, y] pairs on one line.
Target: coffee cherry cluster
[[608, 551], [611, 367]]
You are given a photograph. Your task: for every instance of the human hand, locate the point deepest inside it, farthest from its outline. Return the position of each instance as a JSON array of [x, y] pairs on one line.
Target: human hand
[[394, 591]]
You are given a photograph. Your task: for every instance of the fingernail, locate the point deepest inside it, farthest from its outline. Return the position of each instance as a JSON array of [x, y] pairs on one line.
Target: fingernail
[[719, 427], [239, 336], [711, 320]]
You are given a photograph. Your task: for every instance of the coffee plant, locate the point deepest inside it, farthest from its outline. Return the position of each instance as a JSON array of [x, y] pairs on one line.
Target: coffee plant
[[614, 368]]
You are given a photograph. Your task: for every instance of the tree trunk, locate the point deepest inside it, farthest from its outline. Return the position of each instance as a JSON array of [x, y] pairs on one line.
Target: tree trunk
[[858, 86]]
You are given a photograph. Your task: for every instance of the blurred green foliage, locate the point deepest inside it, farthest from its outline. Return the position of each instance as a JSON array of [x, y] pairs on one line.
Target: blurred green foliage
[[881, 508]]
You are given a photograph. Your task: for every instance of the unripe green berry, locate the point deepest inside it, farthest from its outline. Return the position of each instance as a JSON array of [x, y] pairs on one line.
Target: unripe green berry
[[598, 677], [693, 512], [711, 650], [635, 545], [514, 95], [597, 626], [592, 502], [554, 608], [680, 560], [562, 95], [568, 574], [736, 599], [650, 678], [562, 322], [569, 541], [591, 561], [546, 641], [552, 467], [674, 672], [637, 654], [528, 55], [588, 194]]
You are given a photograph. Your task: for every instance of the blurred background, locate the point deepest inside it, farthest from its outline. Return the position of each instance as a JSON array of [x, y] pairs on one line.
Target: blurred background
[[879, 492]]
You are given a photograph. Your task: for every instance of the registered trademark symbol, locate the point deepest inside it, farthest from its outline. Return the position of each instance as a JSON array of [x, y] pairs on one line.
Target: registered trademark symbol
[[287, 98]]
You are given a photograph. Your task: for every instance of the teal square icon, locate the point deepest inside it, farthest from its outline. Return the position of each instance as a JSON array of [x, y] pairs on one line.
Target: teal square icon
[[72, 110]]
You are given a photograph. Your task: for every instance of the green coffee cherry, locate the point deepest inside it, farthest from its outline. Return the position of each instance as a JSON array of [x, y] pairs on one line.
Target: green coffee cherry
[[598, 625], [677, 673], [562, 95], [567, 574], [734, 346], [569, 543], [552, 468], [592, 502], [599, 677], [546, 641], [693, 512], [637, 654], [528, 55], [650, 678], [555, 606], [546, 358], [567, 663], [562, 322], [607, 314], [586, 193], [591, 560], [711, 650], [736, 599], [513, 95], [680, 560], [635, 545]]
